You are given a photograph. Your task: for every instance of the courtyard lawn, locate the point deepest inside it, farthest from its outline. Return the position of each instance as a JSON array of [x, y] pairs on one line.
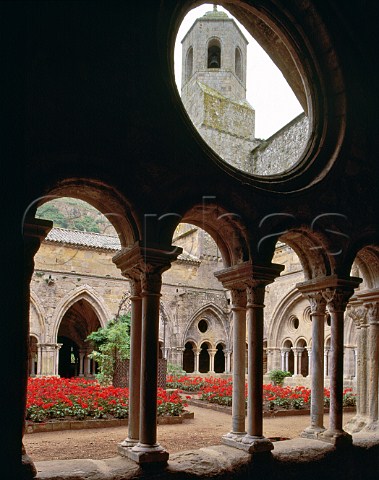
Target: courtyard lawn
[[219, 391], [51, 398]]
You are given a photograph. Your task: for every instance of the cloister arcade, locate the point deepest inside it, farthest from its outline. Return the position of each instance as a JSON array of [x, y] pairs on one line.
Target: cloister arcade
[[89, 117]]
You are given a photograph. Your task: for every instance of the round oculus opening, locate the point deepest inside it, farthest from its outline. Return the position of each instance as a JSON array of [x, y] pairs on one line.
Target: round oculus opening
[[202, 326]]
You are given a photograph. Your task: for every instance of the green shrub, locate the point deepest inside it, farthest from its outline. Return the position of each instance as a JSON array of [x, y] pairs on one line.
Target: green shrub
[[174, 369], [277, 376]]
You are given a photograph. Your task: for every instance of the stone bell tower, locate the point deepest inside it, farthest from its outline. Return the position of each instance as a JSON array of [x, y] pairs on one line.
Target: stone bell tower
[[213, 91]]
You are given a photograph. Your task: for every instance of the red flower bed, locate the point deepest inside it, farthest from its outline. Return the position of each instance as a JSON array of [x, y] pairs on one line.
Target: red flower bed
[[218, 390], [61, 398]]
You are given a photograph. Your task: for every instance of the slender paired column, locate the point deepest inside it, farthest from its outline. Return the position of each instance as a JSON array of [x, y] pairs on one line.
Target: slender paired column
[[297, 352], [134, 364], [284, 352], [373, 408], [251, 279], [358, 313], [254, 437], [239, 352], [150, 263], [336, 299], [318, 310]]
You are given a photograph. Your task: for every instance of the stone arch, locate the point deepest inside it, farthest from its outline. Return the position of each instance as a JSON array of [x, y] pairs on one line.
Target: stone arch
[[282, 312], [107, 200], [312, 250], [367, 261], [204, 357], [189, 357], [301, 342], [216, 330], [84, 292], [37, 316], [303, 365], [226, 229], [219, 359]]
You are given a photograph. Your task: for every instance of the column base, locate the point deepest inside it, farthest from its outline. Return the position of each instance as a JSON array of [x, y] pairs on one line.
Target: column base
[[233, 439], [338, 439], [28, 469], [248, 443], [372, 427], [356, 424], [127, 443], [147, 454], [312, 432]]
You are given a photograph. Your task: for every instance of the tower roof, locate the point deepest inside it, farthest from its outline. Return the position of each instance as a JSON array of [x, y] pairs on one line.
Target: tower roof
[[215, 14]]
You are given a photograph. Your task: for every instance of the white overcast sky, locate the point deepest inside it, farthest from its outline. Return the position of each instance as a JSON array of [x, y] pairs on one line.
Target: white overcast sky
[[267, 91]]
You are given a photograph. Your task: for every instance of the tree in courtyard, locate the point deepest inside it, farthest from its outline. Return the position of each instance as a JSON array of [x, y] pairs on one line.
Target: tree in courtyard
[[111, 345]]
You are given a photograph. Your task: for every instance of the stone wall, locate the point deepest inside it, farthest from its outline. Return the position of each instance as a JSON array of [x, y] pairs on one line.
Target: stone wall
[[282, 150]]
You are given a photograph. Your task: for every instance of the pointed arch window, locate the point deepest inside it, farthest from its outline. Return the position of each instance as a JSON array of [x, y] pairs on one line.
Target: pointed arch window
[[214, 54], [238, 63], [189, 65]]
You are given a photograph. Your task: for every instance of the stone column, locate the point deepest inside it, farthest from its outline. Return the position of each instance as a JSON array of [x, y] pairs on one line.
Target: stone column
[[49, 359], [254, 439], [227, 354], [318, 310], [309, 351], [373, 377], [358, 313], [336, 299], [81, 363], [239, 351], [284, 355], [212, 353], [196, 361], [34, 232], [88, 366], [297, 359], [251, 279], [39, 359], [150, 262], [134, 364], [326, 361]]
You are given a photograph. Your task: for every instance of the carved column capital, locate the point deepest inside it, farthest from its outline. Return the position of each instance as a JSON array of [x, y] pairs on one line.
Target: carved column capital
[[317, 302], [357, 313], [238, 298], [255, 292], [373, 312], [146, 264], [337, 298]]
